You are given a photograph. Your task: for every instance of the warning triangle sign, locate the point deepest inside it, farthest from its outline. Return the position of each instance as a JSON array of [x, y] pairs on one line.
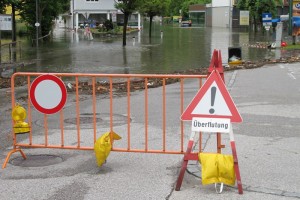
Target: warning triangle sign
[[212, 101]]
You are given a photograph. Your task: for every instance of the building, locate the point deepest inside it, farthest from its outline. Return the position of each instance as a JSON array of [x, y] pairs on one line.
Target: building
[[282, 12], [197, 14], [96, 12], [219, 13], [223, 13]]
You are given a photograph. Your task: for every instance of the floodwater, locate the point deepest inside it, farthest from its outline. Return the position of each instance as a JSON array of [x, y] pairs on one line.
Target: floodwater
[[170, 49]]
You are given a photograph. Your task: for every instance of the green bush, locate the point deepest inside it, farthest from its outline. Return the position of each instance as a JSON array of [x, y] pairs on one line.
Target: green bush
[[101, 29], [21, 28], [108, 25]]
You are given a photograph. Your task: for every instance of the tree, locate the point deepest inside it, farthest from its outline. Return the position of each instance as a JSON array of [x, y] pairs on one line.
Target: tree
[[153, 8], [243, 4], [266, 6], [175, 7], [47, 12], [2, 6], [186, 4], [183, 5], [11, 3], [127, 7], [257, 8]]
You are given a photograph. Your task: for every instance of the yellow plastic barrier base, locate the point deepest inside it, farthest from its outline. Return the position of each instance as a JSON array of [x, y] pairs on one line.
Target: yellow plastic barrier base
[[21, 128]]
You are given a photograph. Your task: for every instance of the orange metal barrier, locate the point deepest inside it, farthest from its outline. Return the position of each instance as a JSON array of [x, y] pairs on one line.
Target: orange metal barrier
[[97, 103]]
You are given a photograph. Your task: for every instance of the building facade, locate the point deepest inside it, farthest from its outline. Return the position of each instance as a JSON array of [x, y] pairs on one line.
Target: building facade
[[96, 12], [197, 14], [219, 13]]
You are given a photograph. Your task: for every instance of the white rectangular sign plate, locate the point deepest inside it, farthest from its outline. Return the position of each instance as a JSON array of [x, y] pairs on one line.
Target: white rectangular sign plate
[[5, 23], [215, 125]]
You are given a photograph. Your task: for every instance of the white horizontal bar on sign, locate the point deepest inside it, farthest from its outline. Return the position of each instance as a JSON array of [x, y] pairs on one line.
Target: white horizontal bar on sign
[[213, 125], [267, 23]]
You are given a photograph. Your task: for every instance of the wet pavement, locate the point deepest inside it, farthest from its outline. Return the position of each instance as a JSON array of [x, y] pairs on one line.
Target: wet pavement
[[267, 147], [267, 139], [267, 142]]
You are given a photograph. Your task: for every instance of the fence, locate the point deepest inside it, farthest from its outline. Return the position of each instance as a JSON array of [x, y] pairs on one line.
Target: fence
[[96, 103], [36, 40], [9, 51]]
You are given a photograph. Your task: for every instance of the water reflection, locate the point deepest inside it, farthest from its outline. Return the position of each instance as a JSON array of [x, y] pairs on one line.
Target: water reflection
[[171, 48]]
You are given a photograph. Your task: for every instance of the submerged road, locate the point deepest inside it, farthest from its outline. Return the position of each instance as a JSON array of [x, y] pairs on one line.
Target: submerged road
[[267, 146]]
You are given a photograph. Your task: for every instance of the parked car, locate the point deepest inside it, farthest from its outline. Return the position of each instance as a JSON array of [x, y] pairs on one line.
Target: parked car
[[186, 23]]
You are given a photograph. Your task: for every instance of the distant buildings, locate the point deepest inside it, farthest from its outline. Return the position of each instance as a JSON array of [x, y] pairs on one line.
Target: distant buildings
[[224, 13], [96, 12]]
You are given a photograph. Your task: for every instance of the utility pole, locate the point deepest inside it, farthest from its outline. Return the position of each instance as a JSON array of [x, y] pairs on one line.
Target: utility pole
[[290, 16], [13, 22], [291, 21], [0, 38], [73, 17], [37, 23]]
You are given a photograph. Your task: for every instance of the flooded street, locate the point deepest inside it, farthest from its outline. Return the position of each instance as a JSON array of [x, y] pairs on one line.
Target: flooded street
[[170, 49]]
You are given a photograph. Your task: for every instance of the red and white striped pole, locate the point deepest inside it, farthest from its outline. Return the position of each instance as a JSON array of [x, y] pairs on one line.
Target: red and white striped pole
[[235, 160], [186, 159]]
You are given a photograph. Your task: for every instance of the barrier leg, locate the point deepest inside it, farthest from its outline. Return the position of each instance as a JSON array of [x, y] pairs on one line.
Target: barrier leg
[[10, 153], [236, 168], [185, 161], [184, 166], [236, 164]]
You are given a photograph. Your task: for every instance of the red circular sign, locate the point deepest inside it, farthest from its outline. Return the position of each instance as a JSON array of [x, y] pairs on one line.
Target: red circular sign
[[48, 94]]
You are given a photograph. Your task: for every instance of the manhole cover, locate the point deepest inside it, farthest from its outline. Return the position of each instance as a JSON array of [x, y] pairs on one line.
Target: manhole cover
[[86, 121], [101, 120], [83, 120], [36, 160]]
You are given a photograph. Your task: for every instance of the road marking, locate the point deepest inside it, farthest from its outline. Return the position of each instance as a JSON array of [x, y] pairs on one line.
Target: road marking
[[292, 76], [232, 79], [281, 66]]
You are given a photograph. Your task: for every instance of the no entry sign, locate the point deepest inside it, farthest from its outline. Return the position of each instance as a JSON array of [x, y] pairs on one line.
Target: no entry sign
[[48, 94]]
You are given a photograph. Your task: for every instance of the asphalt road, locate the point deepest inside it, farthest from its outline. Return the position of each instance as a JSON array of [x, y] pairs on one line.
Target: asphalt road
[[267, 145]]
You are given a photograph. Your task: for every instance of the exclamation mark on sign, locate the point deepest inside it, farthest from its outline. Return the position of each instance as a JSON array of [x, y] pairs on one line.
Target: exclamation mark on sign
[[212, 100]]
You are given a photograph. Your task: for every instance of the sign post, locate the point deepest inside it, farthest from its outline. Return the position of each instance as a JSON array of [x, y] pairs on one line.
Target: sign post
[[279, 28]]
